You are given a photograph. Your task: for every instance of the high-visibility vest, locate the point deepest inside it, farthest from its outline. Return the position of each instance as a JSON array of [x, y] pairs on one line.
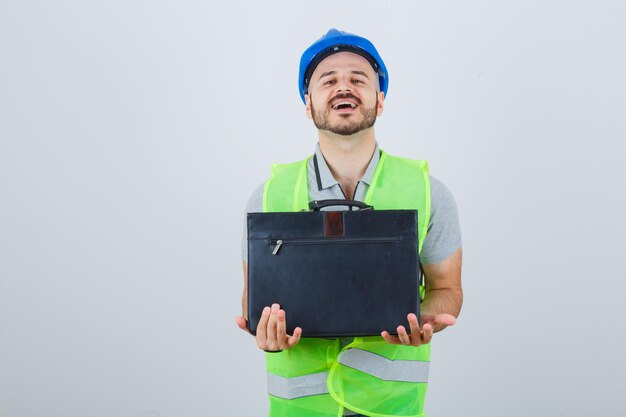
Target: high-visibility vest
[[318, 378]]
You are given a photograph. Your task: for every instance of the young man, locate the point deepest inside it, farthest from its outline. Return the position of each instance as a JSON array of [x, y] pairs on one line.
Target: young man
[[343, 82]]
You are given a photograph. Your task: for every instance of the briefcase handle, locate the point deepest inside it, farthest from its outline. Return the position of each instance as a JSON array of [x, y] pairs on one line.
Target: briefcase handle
[[316, 205]]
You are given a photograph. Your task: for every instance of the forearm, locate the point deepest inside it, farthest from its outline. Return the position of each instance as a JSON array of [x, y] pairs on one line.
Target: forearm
[[440, 301], [244, 296]]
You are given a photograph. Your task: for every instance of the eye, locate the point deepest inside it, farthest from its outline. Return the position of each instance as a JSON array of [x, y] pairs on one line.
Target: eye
[[357, 81], [328, 82]]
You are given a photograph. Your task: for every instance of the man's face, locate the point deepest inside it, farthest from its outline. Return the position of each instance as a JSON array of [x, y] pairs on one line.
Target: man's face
[[343, 95]]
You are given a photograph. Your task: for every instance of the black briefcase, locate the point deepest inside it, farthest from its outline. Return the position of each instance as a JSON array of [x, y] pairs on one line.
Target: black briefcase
[[335, 273]]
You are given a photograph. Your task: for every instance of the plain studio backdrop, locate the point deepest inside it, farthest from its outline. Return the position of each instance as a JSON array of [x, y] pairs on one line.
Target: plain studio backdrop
[[133, 132]]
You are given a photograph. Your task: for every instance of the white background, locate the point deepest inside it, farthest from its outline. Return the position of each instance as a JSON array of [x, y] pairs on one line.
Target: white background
[[133, 132]]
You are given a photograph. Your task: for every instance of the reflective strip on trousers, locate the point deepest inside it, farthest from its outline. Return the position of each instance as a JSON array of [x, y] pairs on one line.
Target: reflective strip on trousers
[[383, 368], [296, 387]]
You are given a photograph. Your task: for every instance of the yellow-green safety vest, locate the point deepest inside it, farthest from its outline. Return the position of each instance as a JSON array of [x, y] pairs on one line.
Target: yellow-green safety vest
[[318, 378]]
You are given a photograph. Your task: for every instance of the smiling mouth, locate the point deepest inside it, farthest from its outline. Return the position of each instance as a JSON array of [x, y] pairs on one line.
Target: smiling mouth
[[342, 105]]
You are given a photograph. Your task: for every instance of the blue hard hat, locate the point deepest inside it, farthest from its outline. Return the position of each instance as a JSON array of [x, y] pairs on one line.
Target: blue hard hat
[[337, 41]]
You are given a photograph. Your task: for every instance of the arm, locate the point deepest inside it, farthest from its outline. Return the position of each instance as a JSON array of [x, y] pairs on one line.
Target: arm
[[441, 305], [444, 294], [244, 298]]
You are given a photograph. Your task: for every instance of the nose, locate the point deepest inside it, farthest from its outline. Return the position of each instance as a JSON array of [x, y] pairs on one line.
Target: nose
[[343, 85]]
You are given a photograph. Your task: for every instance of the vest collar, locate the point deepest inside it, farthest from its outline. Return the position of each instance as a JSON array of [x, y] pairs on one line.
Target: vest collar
[[324, 178]]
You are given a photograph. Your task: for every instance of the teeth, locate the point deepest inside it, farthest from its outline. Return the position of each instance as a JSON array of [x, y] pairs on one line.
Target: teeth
[[343, 103]]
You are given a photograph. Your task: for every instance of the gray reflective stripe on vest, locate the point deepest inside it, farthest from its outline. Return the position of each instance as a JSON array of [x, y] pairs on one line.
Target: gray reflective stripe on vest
[[296, 387], [383, 368]]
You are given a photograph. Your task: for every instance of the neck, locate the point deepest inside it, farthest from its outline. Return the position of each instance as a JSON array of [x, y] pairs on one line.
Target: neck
[[348, 156]]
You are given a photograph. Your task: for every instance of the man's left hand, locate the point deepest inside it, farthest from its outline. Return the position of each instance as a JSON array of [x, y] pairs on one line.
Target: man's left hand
[[418, 336]]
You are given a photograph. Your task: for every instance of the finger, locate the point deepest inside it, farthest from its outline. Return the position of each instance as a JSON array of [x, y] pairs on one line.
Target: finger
[[241, 323], [295, 337], [281, 328], [413, 324], [427, 333], [271, 329], [403, 336], [261, 328], [389, 338]]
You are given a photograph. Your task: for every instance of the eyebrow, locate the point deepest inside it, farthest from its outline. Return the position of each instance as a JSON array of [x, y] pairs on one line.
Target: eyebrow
[[361, 73], [327, 73]]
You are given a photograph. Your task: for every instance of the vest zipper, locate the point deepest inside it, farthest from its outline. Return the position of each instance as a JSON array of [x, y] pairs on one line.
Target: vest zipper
[[279, 243]]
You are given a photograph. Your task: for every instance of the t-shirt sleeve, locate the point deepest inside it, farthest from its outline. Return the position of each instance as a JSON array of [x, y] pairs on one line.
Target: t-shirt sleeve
[[444, 230], [254, 205]]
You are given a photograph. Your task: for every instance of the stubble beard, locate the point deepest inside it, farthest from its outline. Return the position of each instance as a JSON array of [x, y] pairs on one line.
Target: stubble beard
[[346, 128]]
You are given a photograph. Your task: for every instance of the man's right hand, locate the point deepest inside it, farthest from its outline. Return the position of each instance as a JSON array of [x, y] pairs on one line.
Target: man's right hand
[[271, 332]]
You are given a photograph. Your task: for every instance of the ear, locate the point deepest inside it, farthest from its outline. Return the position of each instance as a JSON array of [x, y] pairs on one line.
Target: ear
[[307, 102], [381, 103]]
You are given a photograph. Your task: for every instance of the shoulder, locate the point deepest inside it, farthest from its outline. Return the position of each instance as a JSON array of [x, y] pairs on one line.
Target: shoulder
[[255, 202], [444, 231], [290, 168], [439, 193], [443, 209], [280, 174]]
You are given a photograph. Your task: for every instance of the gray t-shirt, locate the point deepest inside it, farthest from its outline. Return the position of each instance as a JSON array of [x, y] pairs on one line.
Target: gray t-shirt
[[444, 233]]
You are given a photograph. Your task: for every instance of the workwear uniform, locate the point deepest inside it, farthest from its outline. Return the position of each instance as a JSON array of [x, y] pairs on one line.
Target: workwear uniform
[[318, 377]]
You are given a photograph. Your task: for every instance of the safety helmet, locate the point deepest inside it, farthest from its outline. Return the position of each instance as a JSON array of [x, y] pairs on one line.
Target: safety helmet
[[338, 41]]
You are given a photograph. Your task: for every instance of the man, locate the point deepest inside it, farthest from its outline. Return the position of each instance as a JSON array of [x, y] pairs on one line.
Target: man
[[343, 83]]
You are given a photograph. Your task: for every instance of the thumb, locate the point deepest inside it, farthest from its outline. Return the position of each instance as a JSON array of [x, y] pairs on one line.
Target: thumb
[[241, 323], [446, 319], [295, 337], [433, 319]]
